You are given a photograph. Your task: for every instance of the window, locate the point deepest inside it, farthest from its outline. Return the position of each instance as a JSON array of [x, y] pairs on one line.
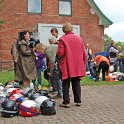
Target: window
[[65, 7], [34, 6]]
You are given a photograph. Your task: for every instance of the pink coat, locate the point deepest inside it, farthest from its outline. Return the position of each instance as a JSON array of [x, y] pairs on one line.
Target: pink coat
[[73, 57]]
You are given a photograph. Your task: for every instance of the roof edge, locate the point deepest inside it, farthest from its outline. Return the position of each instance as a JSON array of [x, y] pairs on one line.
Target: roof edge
[[105, 21]]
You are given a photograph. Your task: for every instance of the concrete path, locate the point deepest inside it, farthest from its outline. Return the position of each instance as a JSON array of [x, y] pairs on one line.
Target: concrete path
[[100, 105]]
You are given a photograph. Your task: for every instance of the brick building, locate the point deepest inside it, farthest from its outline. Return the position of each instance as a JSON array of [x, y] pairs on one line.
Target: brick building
[[26, 14]]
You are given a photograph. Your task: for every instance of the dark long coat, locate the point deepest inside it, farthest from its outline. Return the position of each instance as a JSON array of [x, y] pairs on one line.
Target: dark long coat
[[26, 64]]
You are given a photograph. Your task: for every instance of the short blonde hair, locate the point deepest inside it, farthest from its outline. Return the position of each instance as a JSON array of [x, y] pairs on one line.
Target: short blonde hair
[[67, 27], [52, 40], [39, 47]]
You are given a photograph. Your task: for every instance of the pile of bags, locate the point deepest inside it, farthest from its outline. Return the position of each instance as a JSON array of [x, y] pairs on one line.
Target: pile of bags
[[27, 102]]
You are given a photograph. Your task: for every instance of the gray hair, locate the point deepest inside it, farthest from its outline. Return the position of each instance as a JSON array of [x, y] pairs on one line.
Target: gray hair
[[67, 27], [52, 39]]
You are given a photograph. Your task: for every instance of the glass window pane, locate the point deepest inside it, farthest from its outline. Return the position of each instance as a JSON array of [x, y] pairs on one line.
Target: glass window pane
[[34, 6], [65, 7]]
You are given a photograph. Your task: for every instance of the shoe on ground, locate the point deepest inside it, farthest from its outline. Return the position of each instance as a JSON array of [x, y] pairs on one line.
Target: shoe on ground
[[39, 87], [50, 89], [50, 95], [65, 105], [78, 104]]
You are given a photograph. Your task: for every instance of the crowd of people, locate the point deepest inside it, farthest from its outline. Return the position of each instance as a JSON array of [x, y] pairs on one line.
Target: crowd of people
[[64, 60], [32, 59], [110, 61]]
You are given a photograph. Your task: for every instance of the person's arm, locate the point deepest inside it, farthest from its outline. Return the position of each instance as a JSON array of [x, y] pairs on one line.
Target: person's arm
[[61, 49], [25, 50], [114, 50], [41, 56], [97, 60]]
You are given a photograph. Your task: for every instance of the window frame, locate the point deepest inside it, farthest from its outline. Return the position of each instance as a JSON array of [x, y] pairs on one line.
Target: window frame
[[34, 12], [70, 6]]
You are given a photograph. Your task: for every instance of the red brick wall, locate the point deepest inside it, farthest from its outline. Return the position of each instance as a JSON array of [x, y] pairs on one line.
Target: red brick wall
[[14, 13]]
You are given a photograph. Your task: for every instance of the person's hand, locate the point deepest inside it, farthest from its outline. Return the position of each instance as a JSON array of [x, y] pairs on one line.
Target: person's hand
[[35, 54], [49, 74], [15, 61], [34, 48], [92, 60]]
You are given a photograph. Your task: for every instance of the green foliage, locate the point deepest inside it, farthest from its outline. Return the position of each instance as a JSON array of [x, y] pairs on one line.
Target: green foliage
[[9, 75], [107, 40], [6, 76], [120, 44], [1, 1], [86, 81], [1, 21]]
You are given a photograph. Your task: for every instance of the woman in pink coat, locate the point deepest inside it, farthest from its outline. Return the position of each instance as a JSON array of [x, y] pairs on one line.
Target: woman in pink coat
[[72, 64]]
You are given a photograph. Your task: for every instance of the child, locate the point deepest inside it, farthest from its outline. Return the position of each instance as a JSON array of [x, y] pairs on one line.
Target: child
[[40, 60], [50, 52], [102, 63]]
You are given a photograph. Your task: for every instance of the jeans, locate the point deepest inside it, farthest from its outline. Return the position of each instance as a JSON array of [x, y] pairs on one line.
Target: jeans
[[88, 65], [75, 87], [121, 67], [39, 70], [57, 84]]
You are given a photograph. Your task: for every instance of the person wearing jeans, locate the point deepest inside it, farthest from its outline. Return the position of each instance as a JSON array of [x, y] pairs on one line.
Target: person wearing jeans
[[39, 70], [40, 58], [58, 85], [50, 52]]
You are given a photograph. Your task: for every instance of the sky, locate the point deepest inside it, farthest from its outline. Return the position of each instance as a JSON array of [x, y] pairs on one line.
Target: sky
[[114, 10]]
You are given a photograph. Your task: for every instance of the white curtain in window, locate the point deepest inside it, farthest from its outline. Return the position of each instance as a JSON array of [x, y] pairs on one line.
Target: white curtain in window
[[34, 6], [65, 7]]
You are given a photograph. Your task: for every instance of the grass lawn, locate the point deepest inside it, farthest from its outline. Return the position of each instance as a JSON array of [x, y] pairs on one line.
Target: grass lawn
[[9, 75]]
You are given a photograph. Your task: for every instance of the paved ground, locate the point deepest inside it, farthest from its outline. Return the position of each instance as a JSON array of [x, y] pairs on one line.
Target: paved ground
[[100, 105]]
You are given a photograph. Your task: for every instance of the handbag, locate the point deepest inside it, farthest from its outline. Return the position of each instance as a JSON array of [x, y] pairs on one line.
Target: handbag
[[46, 75], [56, 69]]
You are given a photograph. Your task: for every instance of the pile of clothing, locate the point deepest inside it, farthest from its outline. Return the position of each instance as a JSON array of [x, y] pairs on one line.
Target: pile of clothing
[[115, 76], [26, 102]]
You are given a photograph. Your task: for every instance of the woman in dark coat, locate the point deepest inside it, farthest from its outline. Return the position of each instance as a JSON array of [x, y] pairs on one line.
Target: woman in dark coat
[[26, 65]]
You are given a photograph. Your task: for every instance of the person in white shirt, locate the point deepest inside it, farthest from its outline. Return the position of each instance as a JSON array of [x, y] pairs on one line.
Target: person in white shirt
[[54, 32]]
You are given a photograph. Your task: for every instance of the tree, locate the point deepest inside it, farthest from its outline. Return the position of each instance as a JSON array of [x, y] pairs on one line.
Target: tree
[[1, 21], [107, 40], [119, 45]]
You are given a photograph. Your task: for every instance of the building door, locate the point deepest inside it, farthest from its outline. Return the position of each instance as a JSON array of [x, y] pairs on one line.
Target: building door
[[42, 31]]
